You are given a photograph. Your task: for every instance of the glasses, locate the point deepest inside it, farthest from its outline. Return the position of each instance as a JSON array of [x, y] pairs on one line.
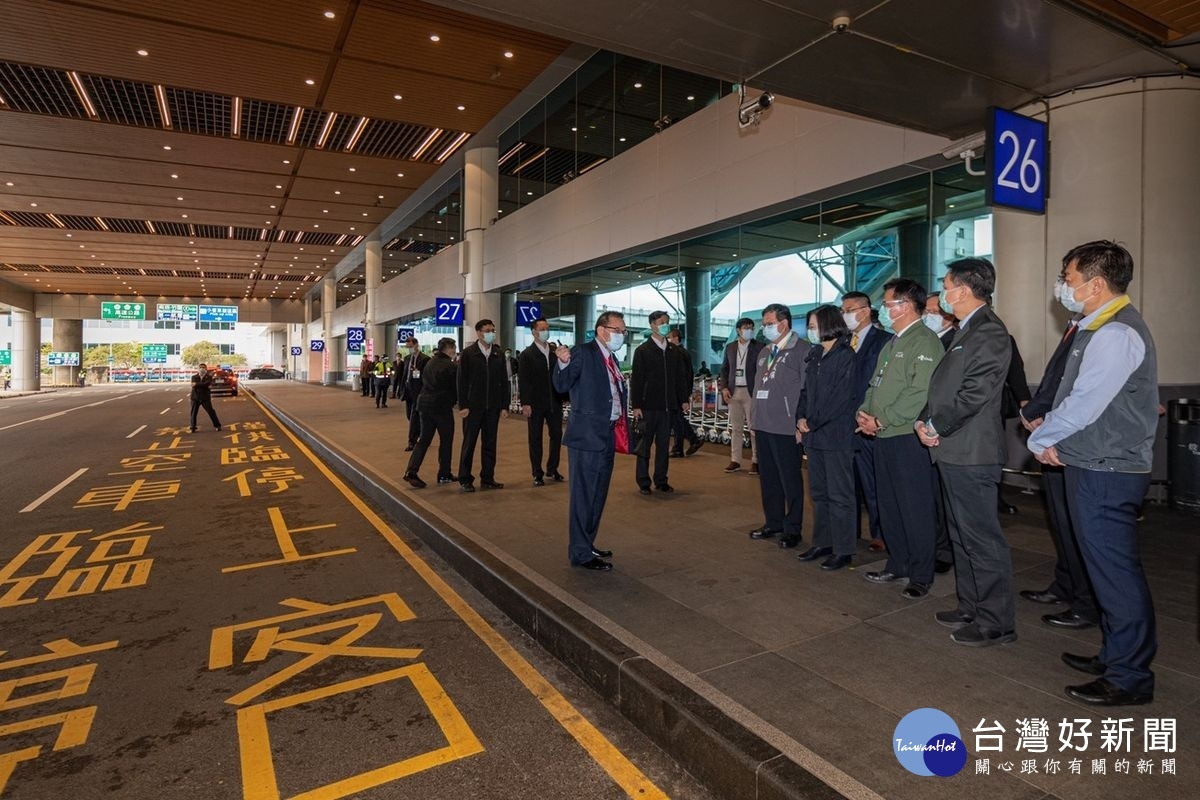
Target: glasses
[[852, 310], [891, 302], [616, 330]]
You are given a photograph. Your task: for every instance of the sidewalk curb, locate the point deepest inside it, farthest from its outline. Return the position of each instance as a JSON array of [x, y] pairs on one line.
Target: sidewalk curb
[[725, 756]]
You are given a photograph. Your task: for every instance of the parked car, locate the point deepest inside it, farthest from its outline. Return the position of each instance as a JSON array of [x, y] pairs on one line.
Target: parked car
[[265, 374], [224, 382]]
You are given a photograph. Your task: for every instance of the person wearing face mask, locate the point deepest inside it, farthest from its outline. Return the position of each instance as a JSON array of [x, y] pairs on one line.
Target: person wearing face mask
[[736, 379], [903, 471], [436, 406], [681, 427], [827, 406], [866, 340], [1101, 431], [483, 395], [778, 383], [411, 380], [590, 374], [962, 426], [938, 321], [657, 389], [540, 403]]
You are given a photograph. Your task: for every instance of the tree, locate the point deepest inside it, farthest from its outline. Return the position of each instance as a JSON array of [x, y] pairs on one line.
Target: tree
[[124, 355], [202, 352]]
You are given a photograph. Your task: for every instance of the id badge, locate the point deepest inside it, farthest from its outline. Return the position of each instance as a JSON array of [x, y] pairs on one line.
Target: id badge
[[878, 380], [416, 373], [761, 394], [741, 372]]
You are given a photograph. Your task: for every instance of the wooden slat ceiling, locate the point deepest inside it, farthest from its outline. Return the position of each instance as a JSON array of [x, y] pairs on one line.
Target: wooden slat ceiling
[[1164, 20], [247, 193]]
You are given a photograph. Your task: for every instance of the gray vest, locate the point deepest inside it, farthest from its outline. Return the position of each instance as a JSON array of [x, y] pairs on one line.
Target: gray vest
[[1122, 439]]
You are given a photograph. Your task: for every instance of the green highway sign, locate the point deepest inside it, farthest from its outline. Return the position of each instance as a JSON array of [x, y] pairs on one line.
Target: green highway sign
[[122, 310], [178, 312], [154, 354]]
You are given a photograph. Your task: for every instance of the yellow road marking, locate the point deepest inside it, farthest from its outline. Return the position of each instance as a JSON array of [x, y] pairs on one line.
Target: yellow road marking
[[626, 775]]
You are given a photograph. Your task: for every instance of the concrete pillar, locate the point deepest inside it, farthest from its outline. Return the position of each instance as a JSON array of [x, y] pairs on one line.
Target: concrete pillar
[[324, 361], [26, 352], [697, 297], [508, 320], [279, 349], [66, 336], [374, 279], [585, 317], [480, 203], [1124, 168]]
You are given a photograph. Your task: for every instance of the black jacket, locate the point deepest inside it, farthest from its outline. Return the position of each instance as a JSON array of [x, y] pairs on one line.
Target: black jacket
[[534, 380], [409, 385], [661, 379], [202, 387], [1041, 403], [828, 401], [868, 357], [727, 376], [439, 384], [482, 383], [1016, 387]]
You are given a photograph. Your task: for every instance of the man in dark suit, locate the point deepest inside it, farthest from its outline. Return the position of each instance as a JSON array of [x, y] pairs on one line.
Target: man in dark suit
[[1071, 584], [681, 427], [483, 396], [540, 404], [938, 321], [961, 425], [945, 326], [410, 387], [867, 341], [656, 391], [589, 373]]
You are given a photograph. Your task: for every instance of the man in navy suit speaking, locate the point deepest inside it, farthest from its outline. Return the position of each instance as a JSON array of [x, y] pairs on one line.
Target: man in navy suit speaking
[[599, 400]]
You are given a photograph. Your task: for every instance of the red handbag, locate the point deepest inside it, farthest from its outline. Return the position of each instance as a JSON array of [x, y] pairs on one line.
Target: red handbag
[[621, 435]]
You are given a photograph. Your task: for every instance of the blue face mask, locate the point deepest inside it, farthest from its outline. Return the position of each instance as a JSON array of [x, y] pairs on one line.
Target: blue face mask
[[771, 332], [885, 316], [616, 341], [814, 336], [944, 304], [663, 330], [747, 334], [1066, 296], [489, 337]]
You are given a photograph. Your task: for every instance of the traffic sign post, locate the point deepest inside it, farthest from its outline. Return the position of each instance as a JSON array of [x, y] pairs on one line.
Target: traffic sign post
[[218, 313], [295, 350], [177, 312], [1018, 174], [5, 358], [316, 345], [154, 354]]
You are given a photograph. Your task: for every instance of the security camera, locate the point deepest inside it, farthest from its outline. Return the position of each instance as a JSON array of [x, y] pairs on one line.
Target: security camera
[[841, 24], [750, 111], [968, 149]]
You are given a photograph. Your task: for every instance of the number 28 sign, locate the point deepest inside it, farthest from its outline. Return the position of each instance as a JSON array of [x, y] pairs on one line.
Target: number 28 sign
[[1018, 170]]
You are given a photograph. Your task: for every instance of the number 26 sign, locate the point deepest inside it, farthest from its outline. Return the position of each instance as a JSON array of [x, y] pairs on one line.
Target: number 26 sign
[[1018, 166]]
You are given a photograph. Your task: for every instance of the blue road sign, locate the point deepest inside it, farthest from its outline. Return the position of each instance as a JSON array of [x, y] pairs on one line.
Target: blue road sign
[[1017, 174]]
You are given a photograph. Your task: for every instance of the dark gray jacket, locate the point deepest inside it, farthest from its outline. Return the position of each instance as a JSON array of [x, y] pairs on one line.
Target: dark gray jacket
[[778, 384]]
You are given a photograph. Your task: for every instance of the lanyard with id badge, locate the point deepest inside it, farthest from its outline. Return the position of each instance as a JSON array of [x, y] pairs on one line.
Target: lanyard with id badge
[[772, 357]]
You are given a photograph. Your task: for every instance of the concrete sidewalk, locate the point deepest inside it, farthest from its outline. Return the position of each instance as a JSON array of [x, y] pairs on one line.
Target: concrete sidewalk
[[807, 672]]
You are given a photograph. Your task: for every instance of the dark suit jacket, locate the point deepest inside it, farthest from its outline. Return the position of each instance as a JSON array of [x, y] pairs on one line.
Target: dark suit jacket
[[827, 401], [482, 383], [965, 391], [947, 337], [410, 386], [1016, 387], [438, 380], [534, 382], [868, 356], [727, 377], [661, 379], [1043, 401], [586, 380]]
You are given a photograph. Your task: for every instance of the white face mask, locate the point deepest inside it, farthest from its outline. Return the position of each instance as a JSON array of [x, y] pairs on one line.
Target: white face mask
[[1066, 296], [616, 341], [747, 334], [771, 332], [539, 335], [851, 319], [934, 322]]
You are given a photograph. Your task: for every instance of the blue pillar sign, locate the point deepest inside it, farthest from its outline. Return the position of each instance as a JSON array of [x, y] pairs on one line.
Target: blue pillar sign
[[404, 334], [316, 345], [448, 311], [355, 337], [1018, 174], [528, 311], [296, 350]]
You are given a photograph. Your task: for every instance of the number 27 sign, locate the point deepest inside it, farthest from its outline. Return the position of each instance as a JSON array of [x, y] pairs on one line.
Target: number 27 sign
[[1017, 174], [448, 310]]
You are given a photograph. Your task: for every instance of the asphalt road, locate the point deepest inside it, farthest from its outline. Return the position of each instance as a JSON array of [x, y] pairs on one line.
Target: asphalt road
[[214, 615]]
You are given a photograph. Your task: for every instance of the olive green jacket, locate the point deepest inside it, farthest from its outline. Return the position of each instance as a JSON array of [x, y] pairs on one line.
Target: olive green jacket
[[900, 385]]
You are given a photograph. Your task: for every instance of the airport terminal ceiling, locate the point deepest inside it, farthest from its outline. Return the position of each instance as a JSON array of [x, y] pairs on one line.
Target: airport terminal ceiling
[[238, 150]]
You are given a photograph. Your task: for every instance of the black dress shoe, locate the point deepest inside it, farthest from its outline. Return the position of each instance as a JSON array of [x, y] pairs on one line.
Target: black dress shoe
[[1006, 508], [972, 636], [1089, 664], [676, 454], [694, 446], [644, 489], [596, 564], [466, 487], [554, 476], [787, 542], [881, 576], [763, 533], [444, 479], [953, 619], [491, 485], [414, 481], [813, 553], [1041, 597], [1067, 619], [836, 562], [539, 481], [601, 553], [408, 449], [915, 590], [665, 488], [942, 567], [1102, 693]]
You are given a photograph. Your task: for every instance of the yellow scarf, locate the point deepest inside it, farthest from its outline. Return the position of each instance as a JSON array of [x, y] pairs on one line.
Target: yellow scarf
[[1110, 312]]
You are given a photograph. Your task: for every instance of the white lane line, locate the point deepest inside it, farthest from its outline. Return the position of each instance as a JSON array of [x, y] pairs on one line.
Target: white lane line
[[165, 410], [39, 402], [53, 491], [180, 400], [136, 432], [60, 413]]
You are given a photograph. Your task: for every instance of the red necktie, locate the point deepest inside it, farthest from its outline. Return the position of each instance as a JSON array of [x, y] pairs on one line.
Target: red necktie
[[1070, 331]]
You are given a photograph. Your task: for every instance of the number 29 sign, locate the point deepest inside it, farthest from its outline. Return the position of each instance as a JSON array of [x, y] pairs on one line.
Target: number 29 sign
[[1018, 175]]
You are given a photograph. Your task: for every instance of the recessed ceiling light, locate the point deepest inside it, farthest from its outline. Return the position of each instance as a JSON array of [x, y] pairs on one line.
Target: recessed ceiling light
[[691, 97], [178, 198], [574, 129], [278, 186], [286, 161], [68, 236], [33, 205], [143, 52], [309, 81], [380, 197], [272, 206], [173, 175], [354, 169], [622, 138], [364, 213], [508, 53], [637, 85], [184, 216], [166, 147], [8, 183], [351, 227], [433, 37], [399, 174], [330, 15], [397, 97], [462, 108]]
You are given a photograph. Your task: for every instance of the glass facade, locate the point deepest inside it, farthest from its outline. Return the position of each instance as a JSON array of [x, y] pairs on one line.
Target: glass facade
[[803, 257]]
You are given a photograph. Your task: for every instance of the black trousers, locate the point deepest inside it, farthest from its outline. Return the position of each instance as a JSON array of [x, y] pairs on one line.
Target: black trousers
[[864, 471], [552, 420], [477, 424], [904, 487], [1070, 576], [831, 485], [206, 403], [658, 431], [781, 483], [441, 423], [682, 430], [381, 392], [982, 561], [591, 473], [368, 381], [944, 550], [415, 426]]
